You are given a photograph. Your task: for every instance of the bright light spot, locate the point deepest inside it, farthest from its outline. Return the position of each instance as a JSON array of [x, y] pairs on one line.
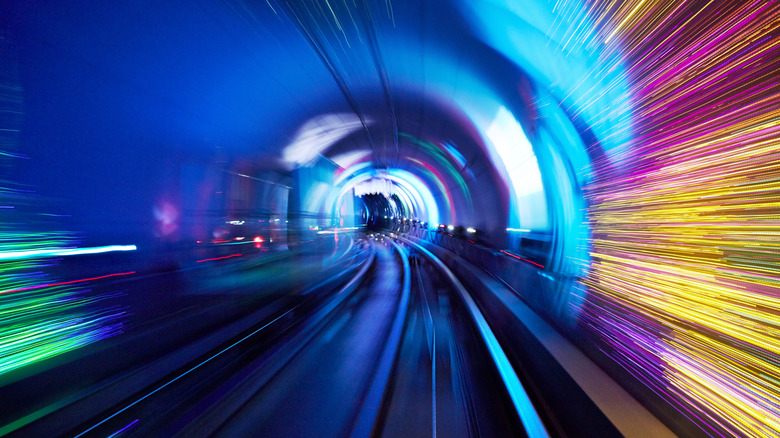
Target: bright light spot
[[349, 159], [318, 134], [471, 230], [450, 227], [424, 201], [517, 155], [166, 216], [375, 185], [54, 252], [518, 230], [315, 194], [258, 239], [236, 222]]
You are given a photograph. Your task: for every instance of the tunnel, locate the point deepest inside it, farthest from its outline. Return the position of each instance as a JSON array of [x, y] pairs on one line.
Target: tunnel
[[311, 218]]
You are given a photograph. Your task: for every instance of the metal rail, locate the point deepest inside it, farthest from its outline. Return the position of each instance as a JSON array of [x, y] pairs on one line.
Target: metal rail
[[369, 412], [339, 297], [522, 403]]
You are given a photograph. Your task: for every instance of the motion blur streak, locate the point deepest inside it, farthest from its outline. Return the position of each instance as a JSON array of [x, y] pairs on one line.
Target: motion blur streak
[[118, 432], [520, 258], [185, 373], [62, 283], [219, 258], [608, 167], [683, 284], [41, 318], [22, 254], [38, 322]]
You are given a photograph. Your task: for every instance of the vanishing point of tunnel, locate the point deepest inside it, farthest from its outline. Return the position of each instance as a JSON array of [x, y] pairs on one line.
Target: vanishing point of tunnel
[[395, 218]]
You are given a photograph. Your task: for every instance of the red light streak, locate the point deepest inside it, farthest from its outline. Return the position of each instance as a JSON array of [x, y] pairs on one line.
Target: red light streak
[[520, 258], [219, 258], [65, 282]]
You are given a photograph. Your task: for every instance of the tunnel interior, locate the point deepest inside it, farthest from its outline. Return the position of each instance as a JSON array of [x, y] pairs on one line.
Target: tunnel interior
[[614, 164]]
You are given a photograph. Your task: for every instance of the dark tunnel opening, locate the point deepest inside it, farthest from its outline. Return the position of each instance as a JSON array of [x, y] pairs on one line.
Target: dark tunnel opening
[[397, 218]]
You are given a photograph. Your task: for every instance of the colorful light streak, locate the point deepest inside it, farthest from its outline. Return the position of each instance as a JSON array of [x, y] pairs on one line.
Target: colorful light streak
[[427, 206], [219, 258], [119, 432], [412, 188], [39, 319], [447, 157], [520, 258], [437, 180], [61, 252], [683, 287], [63, 283], [42, 318]]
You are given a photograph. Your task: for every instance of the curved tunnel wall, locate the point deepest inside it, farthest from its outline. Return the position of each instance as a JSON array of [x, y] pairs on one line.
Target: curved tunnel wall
[[654, 129]]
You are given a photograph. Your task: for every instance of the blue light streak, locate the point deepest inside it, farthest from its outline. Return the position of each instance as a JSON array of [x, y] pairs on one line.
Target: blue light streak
[[59, 252], [525, 409]]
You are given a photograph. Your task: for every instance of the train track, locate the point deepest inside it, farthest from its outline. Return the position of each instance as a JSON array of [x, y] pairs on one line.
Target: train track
[[470, 387], [100, 394], [394, 346]]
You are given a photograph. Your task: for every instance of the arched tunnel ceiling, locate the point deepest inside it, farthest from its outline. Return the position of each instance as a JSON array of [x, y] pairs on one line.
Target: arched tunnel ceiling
[[262, 81], [247, 77], [652, 127]]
